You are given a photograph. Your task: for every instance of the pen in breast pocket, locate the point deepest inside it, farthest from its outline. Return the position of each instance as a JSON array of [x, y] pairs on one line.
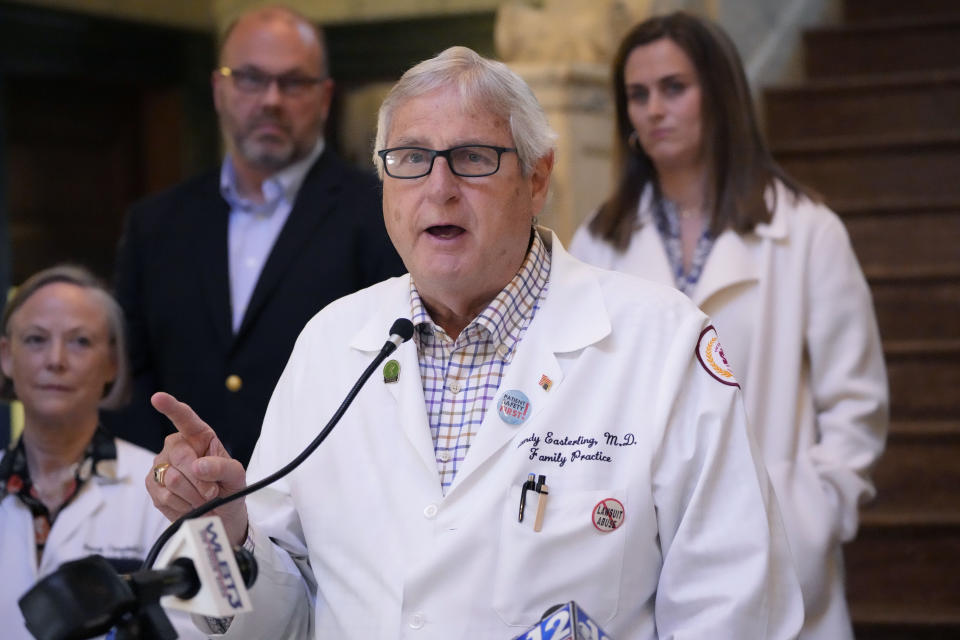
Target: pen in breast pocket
[[529, 485], [543, 491]]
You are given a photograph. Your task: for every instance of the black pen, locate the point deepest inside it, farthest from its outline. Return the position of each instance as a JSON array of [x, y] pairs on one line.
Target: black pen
[[527, 486]]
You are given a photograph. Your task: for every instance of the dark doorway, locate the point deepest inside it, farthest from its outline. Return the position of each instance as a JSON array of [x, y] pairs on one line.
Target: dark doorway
[[96, 113]]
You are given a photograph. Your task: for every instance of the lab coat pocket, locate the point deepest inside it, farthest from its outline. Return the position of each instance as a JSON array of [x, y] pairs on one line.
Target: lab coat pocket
[[809, 521], [573, 557]]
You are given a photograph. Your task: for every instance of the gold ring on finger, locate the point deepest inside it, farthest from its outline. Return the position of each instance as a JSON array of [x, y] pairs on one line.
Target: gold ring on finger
[[159, 471]]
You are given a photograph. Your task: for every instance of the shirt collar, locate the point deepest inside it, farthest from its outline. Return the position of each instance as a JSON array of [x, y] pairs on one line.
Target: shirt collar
[[506, 313], [282, 185], [99, 460]]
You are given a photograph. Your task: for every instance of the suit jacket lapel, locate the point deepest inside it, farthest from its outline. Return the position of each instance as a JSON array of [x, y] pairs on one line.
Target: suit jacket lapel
[[212, 261], [314, 201]]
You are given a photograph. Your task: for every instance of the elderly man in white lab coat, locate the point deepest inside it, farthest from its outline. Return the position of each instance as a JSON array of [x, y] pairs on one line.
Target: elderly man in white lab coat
[[553, 432]]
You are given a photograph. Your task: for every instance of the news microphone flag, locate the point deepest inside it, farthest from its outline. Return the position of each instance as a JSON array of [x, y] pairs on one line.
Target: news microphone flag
[[222, 591], [566, 622]]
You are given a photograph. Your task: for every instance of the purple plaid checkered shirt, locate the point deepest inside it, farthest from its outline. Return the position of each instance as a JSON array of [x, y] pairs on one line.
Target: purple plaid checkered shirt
[[460, 378]]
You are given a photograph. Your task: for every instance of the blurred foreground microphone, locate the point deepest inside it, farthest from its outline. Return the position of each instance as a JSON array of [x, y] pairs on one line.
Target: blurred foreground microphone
[[565, 622], [86, 598]]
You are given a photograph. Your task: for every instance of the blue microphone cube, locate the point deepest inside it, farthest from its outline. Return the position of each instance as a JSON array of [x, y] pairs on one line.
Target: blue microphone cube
[[567, 622]]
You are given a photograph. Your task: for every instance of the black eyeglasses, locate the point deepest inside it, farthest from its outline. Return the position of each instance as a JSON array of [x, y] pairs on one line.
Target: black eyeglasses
[[253, 80], [467, 161]]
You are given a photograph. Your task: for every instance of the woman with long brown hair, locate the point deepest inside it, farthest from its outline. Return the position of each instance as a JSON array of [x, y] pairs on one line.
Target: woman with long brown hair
[[701, 205]]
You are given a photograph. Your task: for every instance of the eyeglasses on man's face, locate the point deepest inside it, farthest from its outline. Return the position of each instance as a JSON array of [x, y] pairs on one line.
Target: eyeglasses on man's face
[[253, 80], [467, 161]]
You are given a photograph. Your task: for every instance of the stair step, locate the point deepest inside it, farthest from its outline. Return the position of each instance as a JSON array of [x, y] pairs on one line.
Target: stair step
[[907, 102], [904, 575], [927, 203], [909, 240], [883, 47], [926, 308], [877, 132], [870, 142], [855, 11], [924, 428], [876, 167], [898, 631], [917, 480], [871, 516], [924, 377], [921, 348]]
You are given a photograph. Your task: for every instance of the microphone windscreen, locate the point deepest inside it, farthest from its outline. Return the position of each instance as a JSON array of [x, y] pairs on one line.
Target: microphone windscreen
[[402, 327]]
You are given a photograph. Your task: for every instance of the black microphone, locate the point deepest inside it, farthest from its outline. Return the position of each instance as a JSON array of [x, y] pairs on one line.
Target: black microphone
[[86, 598], [400, 331]]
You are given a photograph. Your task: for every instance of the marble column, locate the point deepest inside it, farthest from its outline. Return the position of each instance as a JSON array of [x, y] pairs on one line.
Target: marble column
[[577, 101], [563, 50]]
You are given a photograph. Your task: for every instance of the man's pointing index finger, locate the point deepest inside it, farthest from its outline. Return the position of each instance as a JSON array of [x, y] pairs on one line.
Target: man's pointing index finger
[[195, 431]]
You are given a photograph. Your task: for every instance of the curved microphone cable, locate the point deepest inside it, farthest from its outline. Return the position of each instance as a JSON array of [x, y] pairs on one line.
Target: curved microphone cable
[[400, 332]]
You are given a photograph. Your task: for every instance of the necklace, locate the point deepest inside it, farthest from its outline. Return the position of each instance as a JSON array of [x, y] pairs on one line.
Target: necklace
[[687, 214]]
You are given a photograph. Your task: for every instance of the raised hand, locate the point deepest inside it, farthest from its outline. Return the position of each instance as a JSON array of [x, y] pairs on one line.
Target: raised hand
[[194, 468]]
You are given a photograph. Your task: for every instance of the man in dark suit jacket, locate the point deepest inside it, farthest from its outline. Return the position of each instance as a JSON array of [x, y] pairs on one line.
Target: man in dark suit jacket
[[218, 275]]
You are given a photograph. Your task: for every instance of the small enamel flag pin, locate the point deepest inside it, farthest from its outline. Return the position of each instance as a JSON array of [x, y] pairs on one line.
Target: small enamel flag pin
[[545, 382]]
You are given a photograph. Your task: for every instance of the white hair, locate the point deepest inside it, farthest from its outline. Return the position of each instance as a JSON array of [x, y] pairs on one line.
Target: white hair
[[117, 392], [482, 83]]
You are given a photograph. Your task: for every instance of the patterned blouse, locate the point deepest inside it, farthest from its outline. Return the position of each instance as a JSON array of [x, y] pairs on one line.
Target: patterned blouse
[[100, 459], [667, 219]]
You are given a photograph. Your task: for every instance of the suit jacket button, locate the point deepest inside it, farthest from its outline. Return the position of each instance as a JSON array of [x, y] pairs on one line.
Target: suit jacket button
[[234, 382]]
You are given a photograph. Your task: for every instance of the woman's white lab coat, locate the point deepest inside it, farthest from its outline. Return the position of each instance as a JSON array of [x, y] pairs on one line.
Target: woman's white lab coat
[[111, 517], [796, 319], [620, 411]]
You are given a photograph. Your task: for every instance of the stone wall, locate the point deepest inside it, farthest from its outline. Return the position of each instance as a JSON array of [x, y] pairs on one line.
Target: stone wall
[[333, 11]]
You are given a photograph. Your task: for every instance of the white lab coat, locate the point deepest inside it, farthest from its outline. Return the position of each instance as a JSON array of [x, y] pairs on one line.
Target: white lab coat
[[794, 311], [700, 553], [111, 517]]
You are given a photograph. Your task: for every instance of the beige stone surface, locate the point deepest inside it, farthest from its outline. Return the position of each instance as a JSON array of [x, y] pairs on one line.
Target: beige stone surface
[[576, 99], [358, 122], [333, 11], [565, 30]]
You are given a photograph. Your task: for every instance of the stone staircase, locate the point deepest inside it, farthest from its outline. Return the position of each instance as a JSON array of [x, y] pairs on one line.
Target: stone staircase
[[876, 130]]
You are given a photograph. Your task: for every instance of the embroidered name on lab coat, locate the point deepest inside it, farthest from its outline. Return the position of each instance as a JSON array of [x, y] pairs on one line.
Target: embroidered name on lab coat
[[564, 449]]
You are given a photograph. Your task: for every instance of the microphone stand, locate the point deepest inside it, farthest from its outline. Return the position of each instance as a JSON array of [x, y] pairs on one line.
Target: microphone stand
[[149, 622], [401, 331]]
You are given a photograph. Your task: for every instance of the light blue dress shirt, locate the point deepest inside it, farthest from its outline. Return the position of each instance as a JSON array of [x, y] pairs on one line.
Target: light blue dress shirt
[[253, 228]]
